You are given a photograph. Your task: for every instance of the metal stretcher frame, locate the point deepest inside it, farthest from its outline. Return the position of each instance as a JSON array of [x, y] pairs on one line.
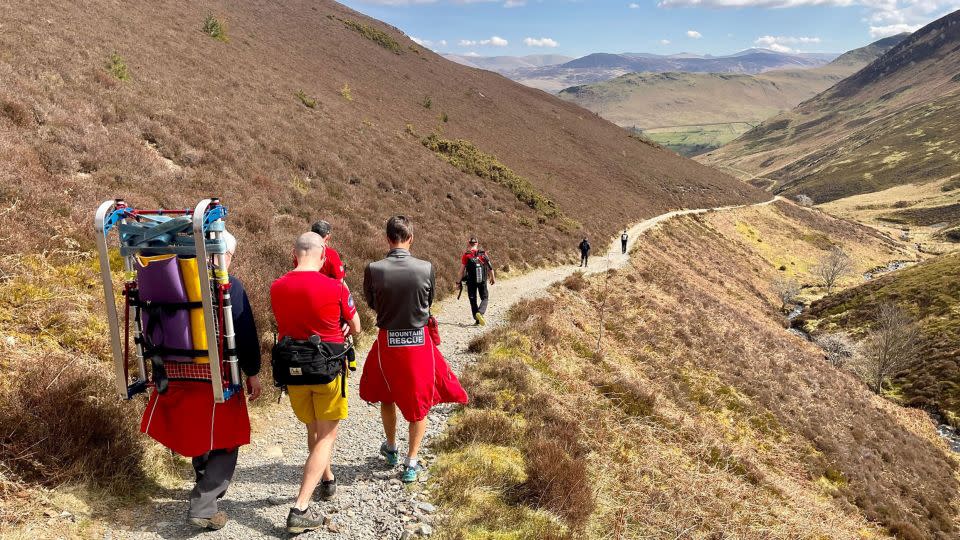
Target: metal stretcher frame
[[207, 220]]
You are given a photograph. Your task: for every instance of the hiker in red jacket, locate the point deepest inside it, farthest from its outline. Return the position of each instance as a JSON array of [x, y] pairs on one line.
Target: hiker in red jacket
[[475, 270], [405, 369]]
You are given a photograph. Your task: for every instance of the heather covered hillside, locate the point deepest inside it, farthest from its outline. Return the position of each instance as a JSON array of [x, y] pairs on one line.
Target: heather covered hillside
[[289, 112], [694, 413]]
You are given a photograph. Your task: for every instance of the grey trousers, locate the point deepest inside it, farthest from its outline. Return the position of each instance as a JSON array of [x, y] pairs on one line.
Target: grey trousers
[[214, 472]]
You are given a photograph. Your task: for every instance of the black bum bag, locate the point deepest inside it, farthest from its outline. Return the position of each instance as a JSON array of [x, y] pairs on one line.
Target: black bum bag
[[302, 362]]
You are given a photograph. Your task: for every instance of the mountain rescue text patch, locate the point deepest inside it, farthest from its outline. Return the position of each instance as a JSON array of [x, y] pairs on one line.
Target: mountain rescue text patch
[[405, 338]]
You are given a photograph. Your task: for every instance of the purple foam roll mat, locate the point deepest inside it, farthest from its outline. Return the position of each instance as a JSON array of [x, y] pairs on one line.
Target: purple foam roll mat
[[160, 281]]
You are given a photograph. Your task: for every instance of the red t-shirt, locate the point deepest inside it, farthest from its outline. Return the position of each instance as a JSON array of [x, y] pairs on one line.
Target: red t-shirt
[[310, 303], [333, 265]]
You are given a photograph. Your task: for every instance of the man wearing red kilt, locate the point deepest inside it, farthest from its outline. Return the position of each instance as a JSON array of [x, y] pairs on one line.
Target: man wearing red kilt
[[186, 419], [404, 368]]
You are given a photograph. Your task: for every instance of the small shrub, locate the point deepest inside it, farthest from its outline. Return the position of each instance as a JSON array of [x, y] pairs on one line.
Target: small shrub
[[346, 92], [306, 100], [805, 200], [576, 282], [838, 349], [427, 102], [444, 118], [557, 481], [215, 28], [16, 112], [118, 67]]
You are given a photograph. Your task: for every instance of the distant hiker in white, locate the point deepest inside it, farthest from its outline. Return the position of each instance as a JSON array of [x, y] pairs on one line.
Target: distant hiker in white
[[624, 238]]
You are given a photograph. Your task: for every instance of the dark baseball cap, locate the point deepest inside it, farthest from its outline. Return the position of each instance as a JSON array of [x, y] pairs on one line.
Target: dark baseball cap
[[473, 240]]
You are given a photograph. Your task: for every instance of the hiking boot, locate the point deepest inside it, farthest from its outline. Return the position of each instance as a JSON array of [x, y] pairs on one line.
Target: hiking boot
[[392, 456], [214, 522], [299, 521], [328, 488], [410, 473], [480, 320]]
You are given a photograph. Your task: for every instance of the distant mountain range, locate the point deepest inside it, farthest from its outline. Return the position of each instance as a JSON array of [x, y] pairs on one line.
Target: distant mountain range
[[889, 124], [691, 113], [503, 64], [553, 73]]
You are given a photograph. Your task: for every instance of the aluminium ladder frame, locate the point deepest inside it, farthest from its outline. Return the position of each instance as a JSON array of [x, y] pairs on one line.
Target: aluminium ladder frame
[[112, 212]]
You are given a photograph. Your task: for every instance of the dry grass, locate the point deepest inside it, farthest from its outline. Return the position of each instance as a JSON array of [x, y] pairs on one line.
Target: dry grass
[[702, 418]]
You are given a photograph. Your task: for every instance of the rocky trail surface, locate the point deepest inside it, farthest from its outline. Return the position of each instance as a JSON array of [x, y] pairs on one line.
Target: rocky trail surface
[[371, 503]]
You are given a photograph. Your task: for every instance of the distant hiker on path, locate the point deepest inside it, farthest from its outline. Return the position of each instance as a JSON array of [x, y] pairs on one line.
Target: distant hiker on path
[[475, 267], [405, 369], [584, 252], [309, 360], [186, 420], [624, 238]]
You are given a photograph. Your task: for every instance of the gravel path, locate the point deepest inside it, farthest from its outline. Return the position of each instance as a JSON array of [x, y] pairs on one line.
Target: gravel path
[[370, 503]]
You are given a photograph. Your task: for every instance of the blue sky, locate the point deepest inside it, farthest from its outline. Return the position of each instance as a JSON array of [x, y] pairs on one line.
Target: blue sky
[[579, 27]]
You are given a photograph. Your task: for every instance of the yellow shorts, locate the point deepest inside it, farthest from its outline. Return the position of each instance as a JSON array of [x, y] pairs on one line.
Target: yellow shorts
[[318, 402]]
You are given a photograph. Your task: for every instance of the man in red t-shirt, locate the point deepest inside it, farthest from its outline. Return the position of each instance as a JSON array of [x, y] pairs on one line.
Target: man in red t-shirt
[[333, 266], [308, 303]]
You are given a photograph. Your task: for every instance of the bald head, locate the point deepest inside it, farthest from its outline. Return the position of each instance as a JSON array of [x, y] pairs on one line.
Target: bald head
[[310, 251]]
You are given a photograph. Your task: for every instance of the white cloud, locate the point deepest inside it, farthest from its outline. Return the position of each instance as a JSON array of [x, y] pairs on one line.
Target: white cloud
[[472, 54], [885, 17], [634, 6], [694, 34], [495, 41], [514, 3], [541, 42], [664, 41], [429, 43], [782, 44], [892, 30]]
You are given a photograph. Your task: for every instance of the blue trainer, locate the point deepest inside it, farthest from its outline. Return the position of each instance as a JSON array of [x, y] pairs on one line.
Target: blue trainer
[[392, 456], [410, 473]]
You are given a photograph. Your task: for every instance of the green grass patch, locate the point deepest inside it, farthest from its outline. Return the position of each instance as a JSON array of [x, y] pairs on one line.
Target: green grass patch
[[695, 140], [469, 159], [375, 35], [306, 100], [215, 28], [118, 67]]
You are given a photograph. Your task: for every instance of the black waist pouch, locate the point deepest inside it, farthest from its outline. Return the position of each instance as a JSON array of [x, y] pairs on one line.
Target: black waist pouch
[[301, 362]]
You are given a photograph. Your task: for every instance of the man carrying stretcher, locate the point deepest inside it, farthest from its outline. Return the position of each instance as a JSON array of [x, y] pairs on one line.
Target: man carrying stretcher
[[185, 419]]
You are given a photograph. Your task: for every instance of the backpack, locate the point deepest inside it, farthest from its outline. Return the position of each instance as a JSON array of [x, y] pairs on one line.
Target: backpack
[[476, 267]]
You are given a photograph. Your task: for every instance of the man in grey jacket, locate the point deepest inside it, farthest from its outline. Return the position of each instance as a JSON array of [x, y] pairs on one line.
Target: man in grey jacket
[[404, 369]]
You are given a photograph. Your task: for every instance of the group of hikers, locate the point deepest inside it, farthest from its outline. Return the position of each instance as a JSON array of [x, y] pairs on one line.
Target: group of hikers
[[584, 247], [316, 319], [316, 316]]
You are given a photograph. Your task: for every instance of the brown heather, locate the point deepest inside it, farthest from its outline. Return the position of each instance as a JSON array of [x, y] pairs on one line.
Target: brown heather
[[701, 418]]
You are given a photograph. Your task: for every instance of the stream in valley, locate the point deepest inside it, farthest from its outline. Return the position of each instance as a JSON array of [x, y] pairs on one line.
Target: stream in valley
[[949, 434]]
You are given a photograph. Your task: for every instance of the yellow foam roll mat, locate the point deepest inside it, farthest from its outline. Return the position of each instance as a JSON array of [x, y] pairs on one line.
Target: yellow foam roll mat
[[191, 282]]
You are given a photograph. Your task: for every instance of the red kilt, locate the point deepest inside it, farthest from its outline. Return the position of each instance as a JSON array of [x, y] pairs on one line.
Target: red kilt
[[405, 367], [186, 420]]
